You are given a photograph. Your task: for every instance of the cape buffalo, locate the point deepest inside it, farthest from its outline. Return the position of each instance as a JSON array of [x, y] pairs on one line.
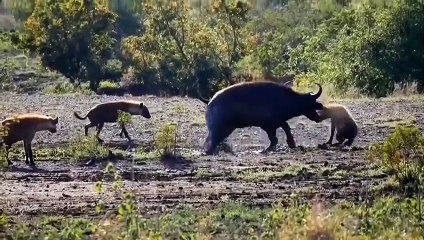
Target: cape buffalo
[[263, 104]]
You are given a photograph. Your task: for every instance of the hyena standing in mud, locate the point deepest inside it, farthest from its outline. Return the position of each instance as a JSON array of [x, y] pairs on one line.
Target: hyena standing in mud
[[263, 104], [23, 127], [342, 122], [108, 113]]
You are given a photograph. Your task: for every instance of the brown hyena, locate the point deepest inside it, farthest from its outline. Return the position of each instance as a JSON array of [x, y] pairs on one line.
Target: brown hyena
[[108, 112], [342, 122], [23, 127]]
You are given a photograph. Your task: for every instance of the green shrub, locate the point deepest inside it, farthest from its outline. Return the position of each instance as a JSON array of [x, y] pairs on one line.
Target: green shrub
[[81, 50], [166, 139], [124, 117], [84, 147], [108, 84], [403, 153]]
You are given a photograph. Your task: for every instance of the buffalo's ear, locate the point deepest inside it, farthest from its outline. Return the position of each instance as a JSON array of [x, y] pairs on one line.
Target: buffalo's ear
[[141, 105], [56, 120]]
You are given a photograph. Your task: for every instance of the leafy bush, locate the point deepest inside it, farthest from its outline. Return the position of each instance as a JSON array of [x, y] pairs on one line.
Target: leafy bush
[[73, 37], [403, 153]]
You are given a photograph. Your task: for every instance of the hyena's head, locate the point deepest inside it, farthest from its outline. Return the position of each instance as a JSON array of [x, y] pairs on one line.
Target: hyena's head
[[140, 109], [51, 124]]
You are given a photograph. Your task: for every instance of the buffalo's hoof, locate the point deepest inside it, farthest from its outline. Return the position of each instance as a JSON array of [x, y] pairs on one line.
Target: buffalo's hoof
[[291, 145], [264, 152], [323, 146], [209, 152]]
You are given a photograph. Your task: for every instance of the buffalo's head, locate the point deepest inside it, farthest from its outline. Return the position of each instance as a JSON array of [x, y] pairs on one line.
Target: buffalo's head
[[310, 105]]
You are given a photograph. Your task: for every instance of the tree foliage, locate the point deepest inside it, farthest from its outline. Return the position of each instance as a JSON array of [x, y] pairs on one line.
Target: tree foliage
[[368, 48], [73, 37], [177, 50], [167, 46]]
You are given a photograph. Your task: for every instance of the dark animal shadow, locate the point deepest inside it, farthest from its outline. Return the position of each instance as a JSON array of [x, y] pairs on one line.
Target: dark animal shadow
[[125, 145], [341, 148], [32, 169], [92, 161], [175, 162]]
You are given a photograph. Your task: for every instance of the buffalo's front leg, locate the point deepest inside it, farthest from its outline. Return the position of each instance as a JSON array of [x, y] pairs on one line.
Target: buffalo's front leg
[[290, 139], [272, 136]]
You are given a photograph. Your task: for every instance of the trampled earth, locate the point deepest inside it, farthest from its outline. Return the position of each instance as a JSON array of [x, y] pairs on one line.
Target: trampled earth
[[68, 187]]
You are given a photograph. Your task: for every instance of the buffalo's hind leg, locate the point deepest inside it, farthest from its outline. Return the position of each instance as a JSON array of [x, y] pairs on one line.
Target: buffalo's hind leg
[[349, 142], [272, 136], [215, 137], [290, 139]]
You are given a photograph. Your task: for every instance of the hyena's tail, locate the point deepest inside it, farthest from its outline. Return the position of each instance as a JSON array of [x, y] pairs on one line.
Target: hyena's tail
[[79, 117]]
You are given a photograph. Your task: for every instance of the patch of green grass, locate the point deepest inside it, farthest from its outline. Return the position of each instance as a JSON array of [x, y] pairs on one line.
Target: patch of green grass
[[141, 155], [257, 174], [395, 121], [4, 220], [365, 171], [55, 227], [388, 185], [79, 148], [385, 218], [5, 40], [65, 87]]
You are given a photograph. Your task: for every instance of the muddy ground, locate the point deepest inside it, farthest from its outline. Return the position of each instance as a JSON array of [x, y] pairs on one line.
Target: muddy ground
[[67, 187]]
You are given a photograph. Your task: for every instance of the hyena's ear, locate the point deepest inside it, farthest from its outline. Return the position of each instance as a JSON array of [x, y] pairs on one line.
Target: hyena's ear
[[56, 120], [141, 105]]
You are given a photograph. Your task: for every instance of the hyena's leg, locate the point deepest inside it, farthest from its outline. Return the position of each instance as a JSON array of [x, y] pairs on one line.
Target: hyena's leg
[[31, 156], [332, 129], [86, 127], [124, 131], [26, 152], [99, 128], [7, 154]]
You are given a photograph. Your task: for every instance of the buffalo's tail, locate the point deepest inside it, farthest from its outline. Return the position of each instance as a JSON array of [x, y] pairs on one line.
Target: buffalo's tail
[[79, 117]]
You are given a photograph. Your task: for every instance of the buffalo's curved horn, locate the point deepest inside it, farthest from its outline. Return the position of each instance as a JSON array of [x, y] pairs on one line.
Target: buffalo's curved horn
[[316, 95]]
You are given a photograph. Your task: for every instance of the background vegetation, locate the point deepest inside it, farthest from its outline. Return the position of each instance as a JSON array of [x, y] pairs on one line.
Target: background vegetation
[[178, 46]]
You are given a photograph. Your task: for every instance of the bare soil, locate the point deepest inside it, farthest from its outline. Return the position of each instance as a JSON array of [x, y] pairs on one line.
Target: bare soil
[[68, 187]]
